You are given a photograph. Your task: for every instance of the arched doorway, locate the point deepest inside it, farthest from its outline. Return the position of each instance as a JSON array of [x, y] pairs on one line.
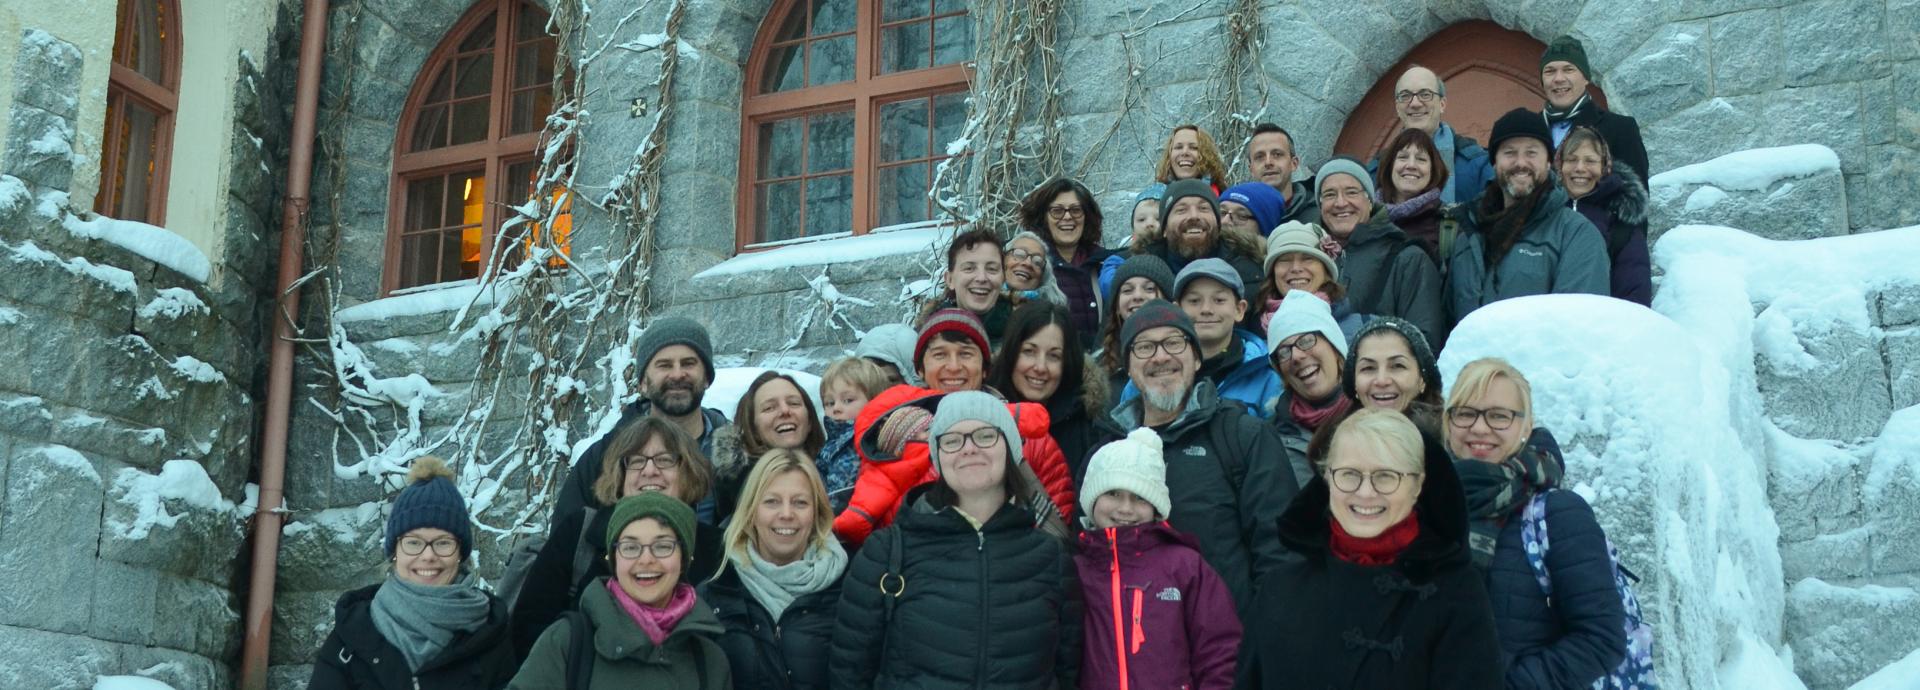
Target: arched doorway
[[1489, 70]]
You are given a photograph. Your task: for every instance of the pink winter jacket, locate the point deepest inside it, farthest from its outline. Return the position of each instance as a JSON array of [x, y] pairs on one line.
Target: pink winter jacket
[[1157, 616]]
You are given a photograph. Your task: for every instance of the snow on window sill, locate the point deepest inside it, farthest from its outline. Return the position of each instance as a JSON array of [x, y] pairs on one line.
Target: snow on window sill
[[893, 240], [421, 301]]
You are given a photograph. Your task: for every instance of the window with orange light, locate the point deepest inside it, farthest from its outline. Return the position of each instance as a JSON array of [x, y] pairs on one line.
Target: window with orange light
[[143, 91], [473, 117]]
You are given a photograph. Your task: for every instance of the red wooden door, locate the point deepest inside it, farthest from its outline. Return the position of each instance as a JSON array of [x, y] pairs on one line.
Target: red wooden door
[[1489, 70]]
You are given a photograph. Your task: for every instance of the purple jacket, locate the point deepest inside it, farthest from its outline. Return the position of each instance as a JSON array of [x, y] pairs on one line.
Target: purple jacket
[[1078, 282], [1176, 620]]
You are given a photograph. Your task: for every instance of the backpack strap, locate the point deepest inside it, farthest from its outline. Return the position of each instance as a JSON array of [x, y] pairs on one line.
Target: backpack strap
[[579, 651], [583, 555], [1534, 540]]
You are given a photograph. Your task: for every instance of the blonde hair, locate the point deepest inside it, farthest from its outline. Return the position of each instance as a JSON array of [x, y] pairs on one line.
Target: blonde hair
[[1390, 435], [739, 535], [1474, 381], [1210, 166], [695, 474], [858, 372]]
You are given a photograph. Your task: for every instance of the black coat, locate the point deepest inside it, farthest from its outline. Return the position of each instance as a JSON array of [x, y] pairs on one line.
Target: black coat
[[1389, 273], [786, 654], [1617, 206], [994, 608], [1622, 133], [1234, 521], [1581, 635], [551, 589], [1422, 622], [1081, 284], [577, 491], [356, 656]]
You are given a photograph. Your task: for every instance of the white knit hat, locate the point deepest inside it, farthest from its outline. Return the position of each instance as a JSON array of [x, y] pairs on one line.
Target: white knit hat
[[1133, 463], [1302, 312]]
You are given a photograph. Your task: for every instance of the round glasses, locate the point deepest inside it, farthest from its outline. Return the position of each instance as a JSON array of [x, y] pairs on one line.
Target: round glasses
[[443, 547], [631, 550], [636, 463], [1174, 345], [1498, 418], [1025, 256], [983, 438], [1347, 479], [1423, 96]]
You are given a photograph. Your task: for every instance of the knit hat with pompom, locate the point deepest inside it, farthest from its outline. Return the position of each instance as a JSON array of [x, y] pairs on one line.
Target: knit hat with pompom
[[430, 499]]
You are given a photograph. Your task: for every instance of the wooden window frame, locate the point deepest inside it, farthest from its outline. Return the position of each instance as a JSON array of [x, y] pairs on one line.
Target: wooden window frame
[[492, 155], [868, 90], [125, 84]]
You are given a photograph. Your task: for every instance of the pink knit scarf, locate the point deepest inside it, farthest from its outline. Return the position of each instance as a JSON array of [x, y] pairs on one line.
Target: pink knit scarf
[[656, 623]]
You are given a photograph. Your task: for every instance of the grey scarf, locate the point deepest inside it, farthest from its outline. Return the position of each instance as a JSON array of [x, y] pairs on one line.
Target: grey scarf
[[776, 586], [421, 620]]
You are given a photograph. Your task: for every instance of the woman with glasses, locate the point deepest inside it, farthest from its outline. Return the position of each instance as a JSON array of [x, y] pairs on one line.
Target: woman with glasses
[[1382, 594], [1065, 214], [642, 626], [1504, 463], [1029, 274], [972, 586], [650, 455], [774, 413], [1306, 347], [428, 624], [779, 584]]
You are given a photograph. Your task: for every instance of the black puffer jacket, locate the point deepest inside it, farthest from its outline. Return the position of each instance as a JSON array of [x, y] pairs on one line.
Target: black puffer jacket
[[1388, 273], [1579, 636], [994, 608], [1617, 206], [1232, 518], [786, 654], [1422, 622], [356, 656], [553, 588]]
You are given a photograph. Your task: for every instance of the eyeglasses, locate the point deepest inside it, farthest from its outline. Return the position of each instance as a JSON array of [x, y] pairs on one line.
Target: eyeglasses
[[1347, 479], [983, 438], [1174, 345], [636, 463], [1498, 418], [1025, 256], [1304, 343], [443, 547], [1423, 95], [1064, 212], [1237, 215], [630, 549]]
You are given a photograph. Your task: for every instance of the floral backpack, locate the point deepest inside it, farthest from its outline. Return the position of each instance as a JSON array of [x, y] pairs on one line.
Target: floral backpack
[[1636, 671]]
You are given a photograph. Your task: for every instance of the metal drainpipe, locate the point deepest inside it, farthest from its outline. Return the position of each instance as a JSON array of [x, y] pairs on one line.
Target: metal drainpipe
[[267, 517]]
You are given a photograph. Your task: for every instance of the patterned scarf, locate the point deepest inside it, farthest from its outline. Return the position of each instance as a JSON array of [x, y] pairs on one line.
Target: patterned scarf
[[1495, 491], [1555, 115], [657, 623], [421, 620]]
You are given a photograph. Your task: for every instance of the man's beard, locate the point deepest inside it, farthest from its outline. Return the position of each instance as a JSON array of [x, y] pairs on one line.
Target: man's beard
[[675, 398], [1514, 192], [1165, 401], [1190, 248]]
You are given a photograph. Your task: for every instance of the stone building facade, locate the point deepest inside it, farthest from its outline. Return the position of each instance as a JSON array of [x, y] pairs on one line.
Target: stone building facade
[[486, 376]]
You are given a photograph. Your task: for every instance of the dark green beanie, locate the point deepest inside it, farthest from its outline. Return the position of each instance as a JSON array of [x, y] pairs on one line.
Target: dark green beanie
[[1569, 49], [659, 506]]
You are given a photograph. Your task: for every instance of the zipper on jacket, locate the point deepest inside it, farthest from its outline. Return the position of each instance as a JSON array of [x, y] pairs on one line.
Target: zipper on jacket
[[1139, 633], [1119, 631], [980, 652]]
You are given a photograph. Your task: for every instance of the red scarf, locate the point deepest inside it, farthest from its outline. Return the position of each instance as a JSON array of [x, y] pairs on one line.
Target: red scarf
[[656, 623], [1379, 550], [1305, 414]]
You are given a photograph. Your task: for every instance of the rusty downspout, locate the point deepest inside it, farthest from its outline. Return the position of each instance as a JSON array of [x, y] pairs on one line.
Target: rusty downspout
[[267, 516]]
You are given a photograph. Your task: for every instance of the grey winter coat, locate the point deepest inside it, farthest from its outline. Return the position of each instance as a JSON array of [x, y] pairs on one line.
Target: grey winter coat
[[1558, 251], [1387, 273]]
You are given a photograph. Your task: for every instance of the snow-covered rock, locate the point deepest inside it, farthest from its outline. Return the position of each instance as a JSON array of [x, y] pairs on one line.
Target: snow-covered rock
[[1787, 192], [1845, 633]]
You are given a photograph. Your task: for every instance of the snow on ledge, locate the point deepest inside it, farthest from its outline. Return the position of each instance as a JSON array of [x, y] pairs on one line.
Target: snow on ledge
[[1753, 169], [158, 245], [418, 303], [888, 241], [129, 683], [1900, 675], [1818, 280]]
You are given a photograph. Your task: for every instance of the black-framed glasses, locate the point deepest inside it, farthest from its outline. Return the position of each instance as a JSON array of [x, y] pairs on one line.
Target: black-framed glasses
[[1238, 215], [1026, 256], [1143, 349], [1498, 418], [636, 463], [444, 547], [1064, 212], [630, 549], [1423, 95], [1347, 479], [983, 438], [1305, 342]]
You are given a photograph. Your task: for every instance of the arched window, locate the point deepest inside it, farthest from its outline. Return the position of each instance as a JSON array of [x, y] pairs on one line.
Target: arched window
[[848, 110], [466, 144], [143, 92]]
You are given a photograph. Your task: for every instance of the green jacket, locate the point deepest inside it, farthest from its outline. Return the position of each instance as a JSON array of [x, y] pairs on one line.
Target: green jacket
[[624, 658]]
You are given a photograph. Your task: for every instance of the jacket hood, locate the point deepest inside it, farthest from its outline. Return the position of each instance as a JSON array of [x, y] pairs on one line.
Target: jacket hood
[[1202, 403], [1441, 509], [616, 636], [1623, 193], [729, 457]]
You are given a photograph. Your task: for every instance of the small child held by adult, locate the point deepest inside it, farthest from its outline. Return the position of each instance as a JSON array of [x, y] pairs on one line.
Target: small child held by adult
[[1157, 615], [846, 387]]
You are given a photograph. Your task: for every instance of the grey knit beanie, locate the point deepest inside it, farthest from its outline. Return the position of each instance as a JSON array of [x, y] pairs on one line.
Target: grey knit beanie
[[1342, 165], [676, 330], [1154, 314], [1295, 237], [1181, 189], [981, 407], [1416, 342], [1147, 266]]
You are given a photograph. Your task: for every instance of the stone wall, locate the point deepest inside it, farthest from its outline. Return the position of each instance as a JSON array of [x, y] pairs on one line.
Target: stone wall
[[127, 418]]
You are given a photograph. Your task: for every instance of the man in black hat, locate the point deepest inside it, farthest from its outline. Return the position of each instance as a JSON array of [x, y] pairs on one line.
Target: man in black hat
[[1564, 75], [1520, 238]]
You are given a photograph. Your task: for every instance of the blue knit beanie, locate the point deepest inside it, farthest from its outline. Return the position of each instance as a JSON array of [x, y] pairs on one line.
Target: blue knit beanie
[[430, 500]]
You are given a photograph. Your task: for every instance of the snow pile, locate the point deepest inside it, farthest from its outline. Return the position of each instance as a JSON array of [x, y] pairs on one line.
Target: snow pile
[[890, 241], [730, 384], [1896, 454], [1646, 416], [1754, 169], [1754, 666], [173, 303], [113, 277], [437, 299], [158, 245], [1900, 675], [192, 369], [181, 481], [129, 683]]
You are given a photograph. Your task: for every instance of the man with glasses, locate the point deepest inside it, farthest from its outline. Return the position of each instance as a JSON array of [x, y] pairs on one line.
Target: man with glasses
[[1226, 473], [1385, 271], [1420, 100]]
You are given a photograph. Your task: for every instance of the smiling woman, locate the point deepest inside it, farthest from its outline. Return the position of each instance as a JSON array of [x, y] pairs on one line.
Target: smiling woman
[[775, 413]]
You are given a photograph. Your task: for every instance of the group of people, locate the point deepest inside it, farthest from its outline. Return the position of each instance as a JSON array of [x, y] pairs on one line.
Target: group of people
[[1216, 458]]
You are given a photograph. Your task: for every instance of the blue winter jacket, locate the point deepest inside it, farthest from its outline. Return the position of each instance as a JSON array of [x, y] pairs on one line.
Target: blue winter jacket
[[1252, 382], [838, 464], [1581, 636]]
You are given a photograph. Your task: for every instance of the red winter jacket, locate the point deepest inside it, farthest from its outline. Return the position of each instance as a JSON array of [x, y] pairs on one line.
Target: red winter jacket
[[885, 478], [1157, 616]]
